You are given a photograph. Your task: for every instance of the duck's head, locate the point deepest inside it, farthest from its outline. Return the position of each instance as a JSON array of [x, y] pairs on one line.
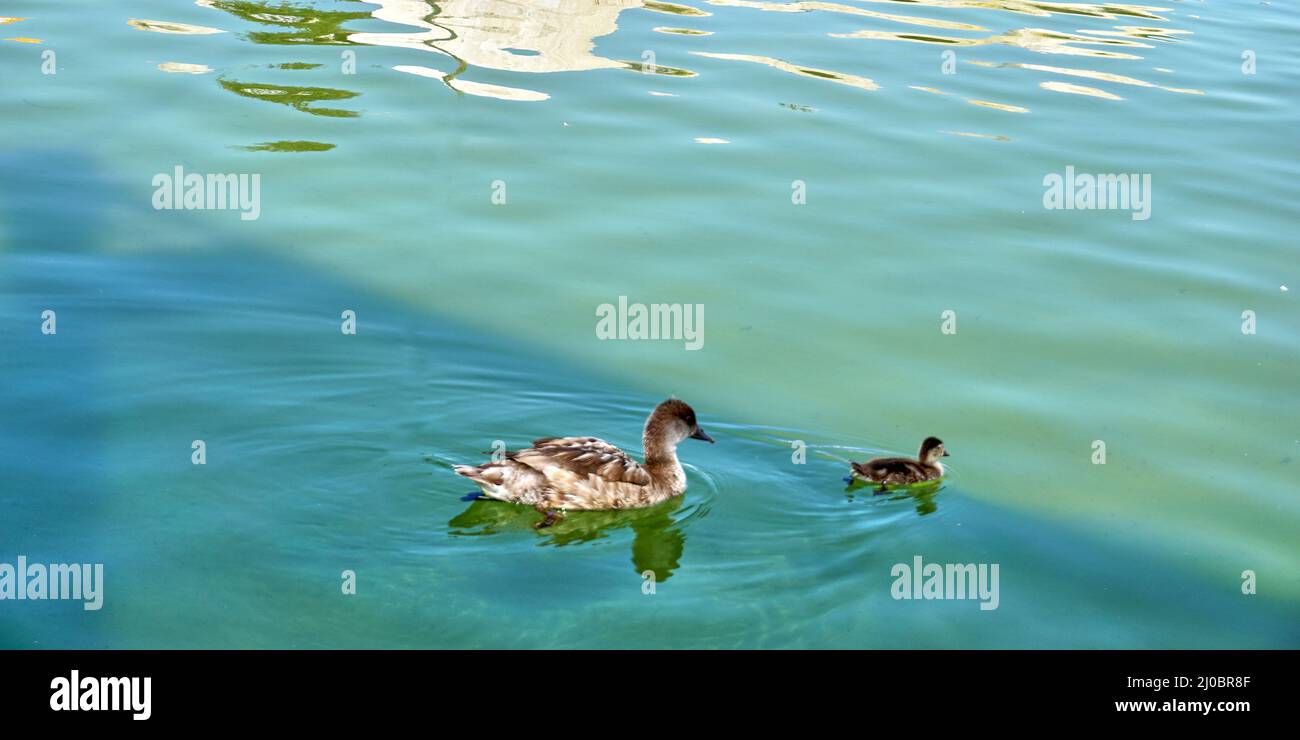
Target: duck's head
[[931, 450], [673, 421]]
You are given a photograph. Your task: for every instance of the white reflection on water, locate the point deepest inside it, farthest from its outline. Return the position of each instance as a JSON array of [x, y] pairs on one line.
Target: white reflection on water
[[557, 36]]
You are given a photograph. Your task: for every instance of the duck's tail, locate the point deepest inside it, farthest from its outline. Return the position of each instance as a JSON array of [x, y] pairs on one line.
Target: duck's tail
[[489, 477], [473, 472]]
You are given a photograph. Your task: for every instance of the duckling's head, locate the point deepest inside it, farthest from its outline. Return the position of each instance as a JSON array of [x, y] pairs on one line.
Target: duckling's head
[[673, 421], [931, 450]]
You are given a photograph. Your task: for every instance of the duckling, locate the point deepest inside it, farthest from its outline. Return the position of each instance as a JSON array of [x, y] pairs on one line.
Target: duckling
[[561, 473], [902, 470]]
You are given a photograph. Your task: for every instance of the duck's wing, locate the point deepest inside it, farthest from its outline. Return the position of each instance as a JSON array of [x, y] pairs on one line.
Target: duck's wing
[[891, 468], [593, 443], [583, 456], [586, 472]]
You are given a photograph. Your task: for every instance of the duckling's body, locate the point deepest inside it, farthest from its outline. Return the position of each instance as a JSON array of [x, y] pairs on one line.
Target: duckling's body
[[585, 473], [894, 471]]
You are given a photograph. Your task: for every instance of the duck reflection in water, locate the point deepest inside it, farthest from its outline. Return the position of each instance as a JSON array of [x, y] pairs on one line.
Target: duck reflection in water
[[657, 541], [923, 494]]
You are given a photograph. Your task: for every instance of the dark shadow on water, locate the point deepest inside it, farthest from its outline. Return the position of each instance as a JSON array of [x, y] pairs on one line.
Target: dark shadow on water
[[657, 542], [229, 306]]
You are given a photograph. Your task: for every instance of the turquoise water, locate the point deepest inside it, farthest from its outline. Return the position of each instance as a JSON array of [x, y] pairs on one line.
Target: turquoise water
[[668, 178]]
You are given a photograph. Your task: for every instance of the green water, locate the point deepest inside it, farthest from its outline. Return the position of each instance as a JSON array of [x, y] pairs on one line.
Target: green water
[[668, 179]]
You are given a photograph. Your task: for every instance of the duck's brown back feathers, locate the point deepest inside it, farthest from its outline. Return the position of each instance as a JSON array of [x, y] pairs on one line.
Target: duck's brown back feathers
[[568, 473], [894, 471], [583, 457]]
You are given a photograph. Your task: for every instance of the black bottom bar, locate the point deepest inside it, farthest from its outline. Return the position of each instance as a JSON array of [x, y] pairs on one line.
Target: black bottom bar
[[347, 688]]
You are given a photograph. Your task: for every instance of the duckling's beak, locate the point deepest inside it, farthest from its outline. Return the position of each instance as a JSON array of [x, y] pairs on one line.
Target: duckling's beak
[[700, 434], [945, 453]]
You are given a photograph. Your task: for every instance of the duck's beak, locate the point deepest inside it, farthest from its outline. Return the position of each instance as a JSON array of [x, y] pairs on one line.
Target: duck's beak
[[945, 453], [700, 434]]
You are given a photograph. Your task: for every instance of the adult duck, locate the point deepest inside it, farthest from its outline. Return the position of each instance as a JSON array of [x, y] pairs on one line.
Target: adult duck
[[558, 474]]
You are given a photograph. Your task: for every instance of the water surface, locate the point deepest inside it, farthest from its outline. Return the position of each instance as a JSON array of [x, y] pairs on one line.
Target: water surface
[[650, 150]]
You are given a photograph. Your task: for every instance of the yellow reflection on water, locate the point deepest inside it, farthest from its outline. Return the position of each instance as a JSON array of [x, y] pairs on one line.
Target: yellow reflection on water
[[562, 35], [1143, 32], [657, 69], [810, 5], [998, 106], [184, 68], [1093, 74], [558, 36], [681, 31], [821, 74], [1069, 87], [973, 135], [1040, 40], [982, 103], [1093, 10], [474, 88], [1121, 42], [169, 27]]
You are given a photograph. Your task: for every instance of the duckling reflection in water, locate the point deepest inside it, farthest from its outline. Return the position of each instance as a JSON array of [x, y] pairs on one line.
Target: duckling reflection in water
[[923, 493], [657, 543]]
